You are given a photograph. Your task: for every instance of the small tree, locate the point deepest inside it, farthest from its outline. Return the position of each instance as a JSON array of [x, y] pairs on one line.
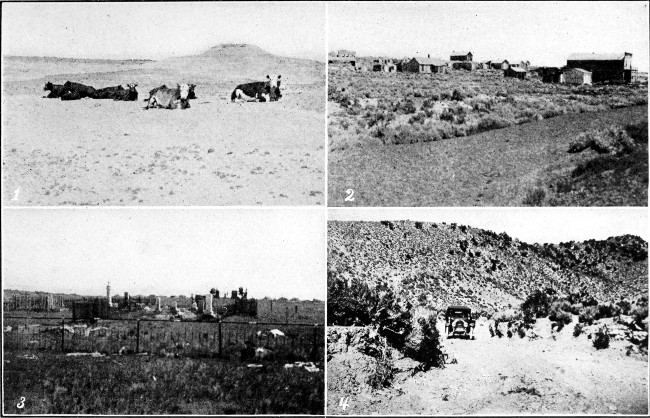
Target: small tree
[[601, 338]]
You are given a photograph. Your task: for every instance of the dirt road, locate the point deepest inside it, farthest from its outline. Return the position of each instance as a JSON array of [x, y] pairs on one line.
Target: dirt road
[[101, 152], [515, 376]]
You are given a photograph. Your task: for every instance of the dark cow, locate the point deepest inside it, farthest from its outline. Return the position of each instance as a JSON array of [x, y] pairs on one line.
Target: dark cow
[[107, 92], [83, 90], [71, 95], [191, 94], [127, 95], [260, 91], [56, 90], [153, 91]]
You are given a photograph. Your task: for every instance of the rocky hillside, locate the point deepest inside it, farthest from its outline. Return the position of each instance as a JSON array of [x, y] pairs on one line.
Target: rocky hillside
[[441, 264]]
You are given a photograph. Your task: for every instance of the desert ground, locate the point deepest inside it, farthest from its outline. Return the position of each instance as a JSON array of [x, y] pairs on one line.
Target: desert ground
[[560, 374], [101, 152]]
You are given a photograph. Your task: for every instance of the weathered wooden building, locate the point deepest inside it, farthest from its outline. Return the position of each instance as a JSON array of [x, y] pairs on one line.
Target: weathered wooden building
[[384, 65], [515, 72], [525, 64], [550, 74], [425, 65], [604, 67], [500, 64], [576, 76], [461, 56], [464, 65]]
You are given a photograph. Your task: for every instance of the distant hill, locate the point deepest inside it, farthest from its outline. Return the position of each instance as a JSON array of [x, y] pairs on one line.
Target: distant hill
[[215, 71], [442, 264]]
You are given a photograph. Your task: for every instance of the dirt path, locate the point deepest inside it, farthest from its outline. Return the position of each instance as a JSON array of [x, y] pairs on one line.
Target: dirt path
[[516, 376], [495, 168], [100, 152]]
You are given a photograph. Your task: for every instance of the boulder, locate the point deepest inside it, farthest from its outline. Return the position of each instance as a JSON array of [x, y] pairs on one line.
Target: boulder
[[626, 320]]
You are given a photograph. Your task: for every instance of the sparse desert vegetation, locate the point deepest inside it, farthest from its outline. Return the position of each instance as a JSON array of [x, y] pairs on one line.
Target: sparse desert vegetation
[[388, 132], [59, 384], [552, 322]]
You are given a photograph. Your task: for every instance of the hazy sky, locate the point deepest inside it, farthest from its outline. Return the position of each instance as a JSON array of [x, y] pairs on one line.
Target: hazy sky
[[544, 33], [159, 30], [272, 252], [531, 225]]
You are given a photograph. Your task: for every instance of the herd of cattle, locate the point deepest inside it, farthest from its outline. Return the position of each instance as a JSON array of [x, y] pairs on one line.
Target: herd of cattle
[[163, 96]]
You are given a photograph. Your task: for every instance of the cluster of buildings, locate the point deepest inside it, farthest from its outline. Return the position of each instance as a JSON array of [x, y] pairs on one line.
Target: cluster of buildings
[[580, 68]]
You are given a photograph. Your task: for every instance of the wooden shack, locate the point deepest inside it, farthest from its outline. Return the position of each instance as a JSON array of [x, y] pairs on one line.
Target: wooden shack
[[425, 65], [550, 74], [604, 67], [500, 64], [576, 76], [515, 72], [461, 56]]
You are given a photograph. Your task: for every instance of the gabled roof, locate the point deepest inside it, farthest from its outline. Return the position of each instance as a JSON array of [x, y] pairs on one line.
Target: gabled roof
[[597, 57], [430, 61], [458, 53], [578, 69]]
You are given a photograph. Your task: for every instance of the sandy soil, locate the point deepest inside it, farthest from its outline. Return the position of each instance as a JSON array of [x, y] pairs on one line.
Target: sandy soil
[[513, 376], [100, 152], [494, 168]]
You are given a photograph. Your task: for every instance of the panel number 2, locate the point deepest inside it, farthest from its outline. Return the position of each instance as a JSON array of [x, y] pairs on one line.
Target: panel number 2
[[350, 195]]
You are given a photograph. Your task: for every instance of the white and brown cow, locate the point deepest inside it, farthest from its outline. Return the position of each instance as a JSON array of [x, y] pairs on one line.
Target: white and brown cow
[[259, 91], [170, 98]]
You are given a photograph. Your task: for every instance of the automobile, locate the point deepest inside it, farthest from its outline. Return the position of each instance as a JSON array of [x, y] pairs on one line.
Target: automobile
[[459, 322]]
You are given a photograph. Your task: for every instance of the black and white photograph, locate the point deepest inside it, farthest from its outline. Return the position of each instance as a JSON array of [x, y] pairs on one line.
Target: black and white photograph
[[495, 311], [163, 103], [488, 104], [163, 311]]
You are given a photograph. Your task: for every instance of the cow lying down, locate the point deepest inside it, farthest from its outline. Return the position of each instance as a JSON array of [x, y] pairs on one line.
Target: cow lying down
[[190, 95], [259, 91], [170, 98]]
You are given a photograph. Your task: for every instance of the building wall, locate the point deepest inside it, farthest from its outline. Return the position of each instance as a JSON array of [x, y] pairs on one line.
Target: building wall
[[602, 70], [411, 67], [576, 77]]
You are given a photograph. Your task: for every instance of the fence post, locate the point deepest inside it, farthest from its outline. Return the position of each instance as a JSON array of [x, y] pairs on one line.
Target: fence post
[[137, 338], [220, 340], [63, 335]]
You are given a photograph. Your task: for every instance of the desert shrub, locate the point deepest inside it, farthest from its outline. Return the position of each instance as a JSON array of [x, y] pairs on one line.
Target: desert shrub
[[640, 313], [611, 140], [537, 304], [509, 315], [534, 197], [490, 122], [417, 118], [429, 352], [457, 95], [447, 115], [349, 305], [601, 339], [577, 329], [521, 331], [588, 315], [406, 107], [625, 306], [560, 316], [607, 311], [384, 371]]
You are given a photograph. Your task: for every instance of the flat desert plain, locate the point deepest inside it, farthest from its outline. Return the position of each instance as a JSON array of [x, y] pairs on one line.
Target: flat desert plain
[[105, 152]]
